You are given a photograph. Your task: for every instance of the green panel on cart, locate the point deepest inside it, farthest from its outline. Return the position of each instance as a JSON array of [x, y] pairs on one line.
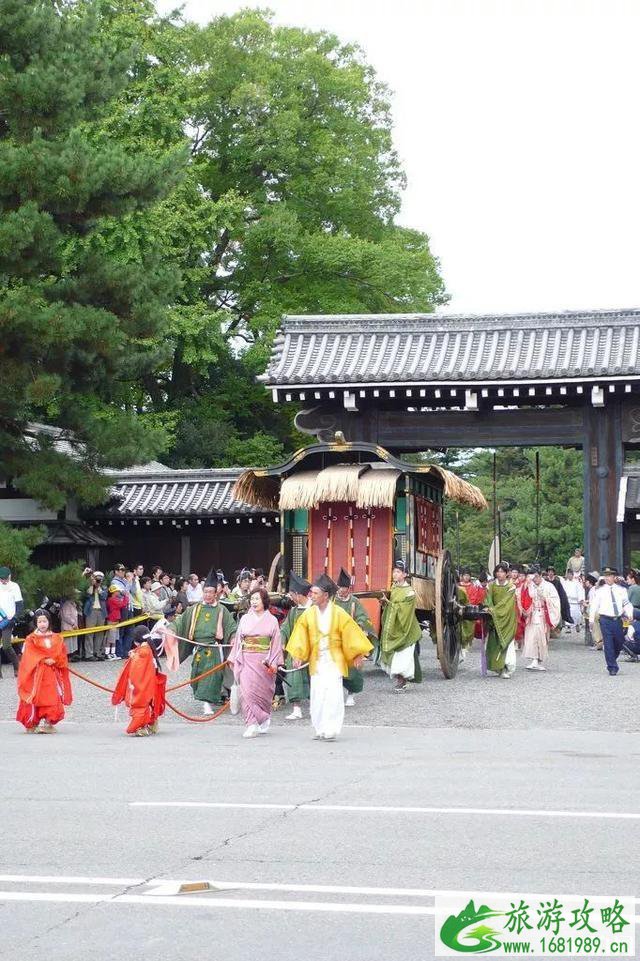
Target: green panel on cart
[[297, 521]]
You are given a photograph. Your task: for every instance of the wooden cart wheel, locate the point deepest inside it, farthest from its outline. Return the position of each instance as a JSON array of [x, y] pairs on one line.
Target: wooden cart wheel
[[447, 615]]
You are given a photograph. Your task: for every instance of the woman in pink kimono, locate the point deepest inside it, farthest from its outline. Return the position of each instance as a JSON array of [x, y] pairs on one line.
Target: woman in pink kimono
[[255, 657]]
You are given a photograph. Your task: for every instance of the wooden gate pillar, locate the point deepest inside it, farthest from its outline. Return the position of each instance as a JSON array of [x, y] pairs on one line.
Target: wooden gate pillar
[[602, 459]]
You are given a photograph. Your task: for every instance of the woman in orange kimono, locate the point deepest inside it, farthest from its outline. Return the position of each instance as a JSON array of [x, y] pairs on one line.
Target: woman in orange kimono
[[141, 686], [43, 678]]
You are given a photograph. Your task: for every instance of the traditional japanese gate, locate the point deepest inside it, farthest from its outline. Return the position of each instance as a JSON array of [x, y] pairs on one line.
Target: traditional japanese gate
[[410, 382]]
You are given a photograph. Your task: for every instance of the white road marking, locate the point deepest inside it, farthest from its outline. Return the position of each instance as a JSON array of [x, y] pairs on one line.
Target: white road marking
[[156, 887], [212, 904], [383, 809], [170, 887], [185, 901], [69, 879]]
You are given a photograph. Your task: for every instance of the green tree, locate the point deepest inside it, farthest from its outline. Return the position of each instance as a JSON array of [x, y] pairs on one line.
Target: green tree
[[79, 309], [288, 206], [80, 302], [560, 528]]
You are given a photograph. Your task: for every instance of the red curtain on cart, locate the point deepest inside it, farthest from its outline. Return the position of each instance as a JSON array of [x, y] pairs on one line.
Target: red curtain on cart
[[429, 526], [332, 527]]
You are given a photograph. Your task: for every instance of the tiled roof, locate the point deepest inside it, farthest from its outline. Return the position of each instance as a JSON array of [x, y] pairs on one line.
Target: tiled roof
[[342, 350], [78, 534], [184, 493]]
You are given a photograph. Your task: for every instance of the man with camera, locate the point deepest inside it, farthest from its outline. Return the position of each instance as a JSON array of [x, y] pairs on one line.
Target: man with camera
[[95, 614]]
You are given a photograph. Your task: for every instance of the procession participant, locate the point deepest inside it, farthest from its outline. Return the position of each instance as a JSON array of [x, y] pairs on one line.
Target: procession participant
[[400, 631], [43, 678], [223, 596], [296, 688], [255, 657], [610, 603], [476, 591], [576, 563], [539, 604], [332, 642], [465, 591], [242, 586], [575, 595], [141, 685], [565, 610], [593, 582], [354, 683], [208, 628], [501, 604], [518, 578]]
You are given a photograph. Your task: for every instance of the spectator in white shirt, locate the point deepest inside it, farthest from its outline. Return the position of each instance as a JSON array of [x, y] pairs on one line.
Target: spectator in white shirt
[[610, 603], [11, 604], [194, 590]]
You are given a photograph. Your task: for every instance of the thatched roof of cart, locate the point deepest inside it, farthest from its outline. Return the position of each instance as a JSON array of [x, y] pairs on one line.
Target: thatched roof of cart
[[346, 477]]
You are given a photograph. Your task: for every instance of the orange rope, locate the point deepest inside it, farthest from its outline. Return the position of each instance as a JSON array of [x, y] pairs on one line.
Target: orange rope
[[83, 677], [198, 720], [198, 677]]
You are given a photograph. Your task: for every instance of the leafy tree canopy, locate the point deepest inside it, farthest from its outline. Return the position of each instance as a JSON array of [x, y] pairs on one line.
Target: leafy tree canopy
[[560, 528], [78, 317], [288, 206]]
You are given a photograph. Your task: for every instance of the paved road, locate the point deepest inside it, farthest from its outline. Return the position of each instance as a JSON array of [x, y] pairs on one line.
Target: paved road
[[507, 782]]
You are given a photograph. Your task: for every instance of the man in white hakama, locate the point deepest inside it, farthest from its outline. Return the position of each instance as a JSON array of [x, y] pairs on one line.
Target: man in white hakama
[[575, 595], [331, 641], [539, 604]]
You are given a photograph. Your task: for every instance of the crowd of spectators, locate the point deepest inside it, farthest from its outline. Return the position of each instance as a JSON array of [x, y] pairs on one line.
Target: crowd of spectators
[[127, 593]]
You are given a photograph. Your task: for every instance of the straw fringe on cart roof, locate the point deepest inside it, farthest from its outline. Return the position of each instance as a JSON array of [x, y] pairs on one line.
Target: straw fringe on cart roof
[[365, 483]]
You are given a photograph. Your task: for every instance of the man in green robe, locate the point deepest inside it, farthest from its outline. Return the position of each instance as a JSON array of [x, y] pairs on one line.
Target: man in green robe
[[211, 627], [354, 683], [400, 631], [501, 604], [296, 689]]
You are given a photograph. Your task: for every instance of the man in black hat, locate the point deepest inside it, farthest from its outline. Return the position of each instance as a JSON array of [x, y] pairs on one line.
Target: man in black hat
[[296, 689], [331, 641], [207, 630], [354, 683], [610, 603]]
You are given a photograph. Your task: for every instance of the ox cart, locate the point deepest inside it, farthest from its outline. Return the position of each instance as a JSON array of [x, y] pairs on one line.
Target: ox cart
[[355, 506]]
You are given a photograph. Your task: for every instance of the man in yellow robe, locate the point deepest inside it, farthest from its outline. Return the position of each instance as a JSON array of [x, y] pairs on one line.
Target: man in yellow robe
[[331, 641]]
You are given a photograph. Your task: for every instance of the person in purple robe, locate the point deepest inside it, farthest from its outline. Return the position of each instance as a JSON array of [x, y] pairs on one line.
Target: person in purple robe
[[255, 657]]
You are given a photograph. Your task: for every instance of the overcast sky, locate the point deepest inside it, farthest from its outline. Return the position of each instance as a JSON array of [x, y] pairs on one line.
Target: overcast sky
[[518, 125]]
